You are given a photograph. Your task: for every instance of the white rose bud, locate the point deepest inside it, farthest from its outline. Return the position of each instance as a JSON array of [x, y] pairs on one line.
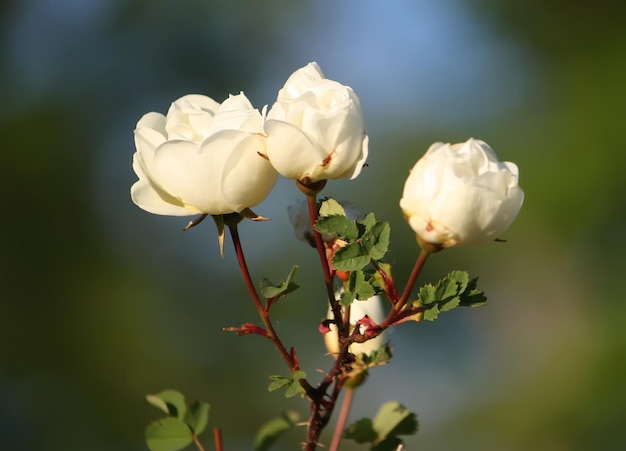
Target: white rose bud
[[316, 129], [461, 194], [202, 158], [373, 308]]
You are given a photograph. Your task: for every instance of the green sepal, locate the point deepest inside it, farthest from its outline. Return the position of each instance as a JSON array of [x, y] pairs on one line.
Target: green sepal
[[168, 434], [271, 431], [270, 291]]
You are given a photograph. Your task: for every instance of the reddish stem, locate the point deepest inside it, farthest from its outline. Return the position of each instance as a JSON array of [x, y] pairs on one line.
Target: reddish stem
[[343, 418], [328, 278], [398, 306], [271, 333], [217, 436]]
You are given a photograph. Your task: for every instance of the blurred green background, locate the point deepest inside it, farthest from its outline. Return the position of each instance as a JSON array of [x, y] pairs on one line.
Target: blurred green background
[[101, 302]]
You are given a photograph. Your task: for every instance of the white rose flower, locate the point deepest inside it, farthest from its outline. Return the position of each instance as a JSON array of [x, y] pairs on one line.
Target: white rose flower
[[461, 194], [316, 129], [202, 158], [373, 308]]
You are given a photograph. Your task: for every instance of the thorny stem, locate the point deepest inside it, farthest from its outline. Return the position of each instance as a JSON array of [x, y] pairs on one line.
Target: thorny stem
[[263, 313], [343, 418]]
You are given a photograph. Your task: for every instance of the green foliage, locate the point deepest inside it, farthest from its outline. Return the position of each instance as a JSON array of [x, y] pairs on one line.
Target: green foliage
[[330, 207], [183, 423], [454, 290], [392, 420], [292, 383], [271, 431], [168, 434], [271, 291]]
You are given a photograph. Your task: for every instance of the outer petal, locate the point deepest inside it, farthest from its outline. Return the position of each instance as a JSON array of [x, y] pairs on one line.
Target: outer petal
[[150, 197], [192, 172], [247, 177], [291, 152]]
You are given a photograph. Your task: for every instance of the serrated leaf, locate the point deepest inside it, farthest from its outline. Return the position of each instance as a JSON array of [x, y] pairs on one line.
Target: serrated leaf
[[350, 258], [368, 222], [432, 313], [361, 431], [376, 240], [427, 294], [197, 416], [168, 434], [337, 226], [394, 419], [171, 402], [446, 288], [360, 286], [461, 277], [472, 296], [331, 207], [271, 431]]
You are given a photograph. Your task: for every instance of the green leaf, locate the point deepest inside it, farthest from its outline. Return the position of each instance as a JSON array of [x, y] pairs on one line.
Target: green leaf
[[361, 431], [350, 258], [432, 313], [346, 298], [171, 402], [472, 296], [168, 434], [368, 222], [376, 240], [278, 382], [292, 383], [394, 419], [269, 290], [427, 294], [337, 226], [331, 207], [360, 286], [271, 431], [294, 389], [197, 416]]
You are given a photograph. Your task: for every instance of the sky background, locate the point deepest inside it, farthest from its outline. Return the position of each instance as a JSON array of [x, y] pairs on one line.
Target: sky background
[[101, 302]]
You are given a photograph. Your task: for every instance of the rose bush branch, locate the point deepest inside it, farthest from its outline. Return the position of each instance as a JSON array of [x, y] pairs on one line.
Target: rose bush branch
[[221, 159]]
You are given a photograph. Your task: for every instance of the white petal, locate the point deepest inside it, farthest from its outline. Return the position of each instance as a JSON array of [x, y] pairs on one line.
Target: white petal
[[247, 178], [150, 197], [291, 152]]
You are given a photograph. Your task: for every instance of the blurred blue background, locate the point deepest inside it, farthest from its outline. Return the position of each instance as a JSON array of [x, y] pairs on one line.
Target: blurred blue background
[[101, 302]]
